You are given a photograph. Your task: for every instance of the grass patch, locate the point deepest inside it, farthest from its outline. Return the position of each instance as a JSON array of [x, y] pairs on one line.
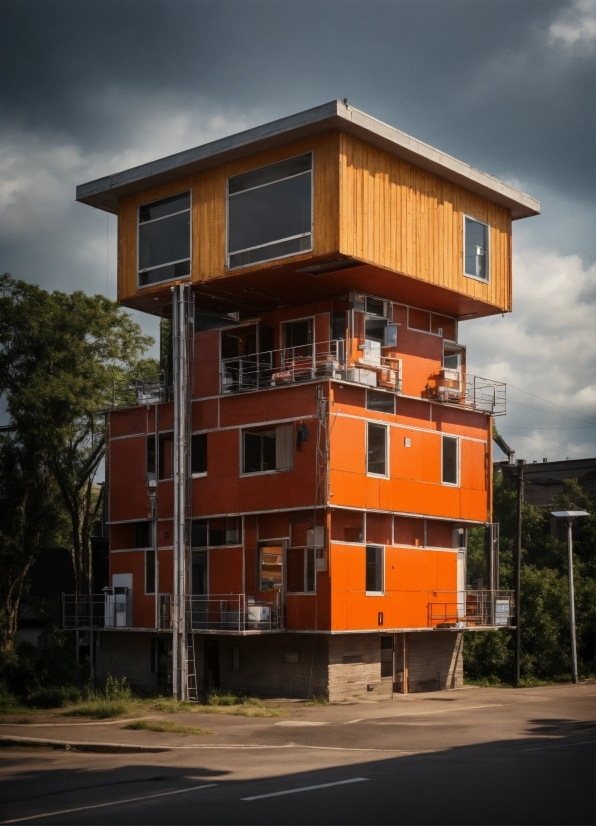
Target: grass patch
[[99, 708], [165, 726], [218, 702], [318, 700]]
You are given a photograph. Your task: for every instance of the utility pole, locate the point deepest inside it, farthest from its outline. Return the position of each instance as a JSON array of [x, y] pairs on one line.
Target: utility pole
[[517, 567], [570, 516]]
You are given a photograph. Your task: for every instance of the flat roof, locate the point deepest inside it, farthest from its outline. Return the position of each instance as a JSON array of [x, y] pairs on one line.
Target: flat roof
[[104, 193]]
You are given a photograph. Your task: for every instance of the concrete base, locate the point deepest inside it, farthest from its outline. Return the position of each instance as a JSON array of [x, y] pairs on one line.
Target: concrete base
[[342, 667]]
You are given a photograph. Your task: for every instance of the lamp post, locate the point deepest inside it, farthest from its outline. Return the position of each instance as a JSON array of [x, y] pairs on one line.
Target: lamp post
[[569, 516]]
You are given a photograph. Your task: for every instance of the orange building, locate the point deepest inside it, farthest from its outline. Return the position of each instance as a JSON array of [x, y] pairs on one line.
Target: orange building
[[289, 501]]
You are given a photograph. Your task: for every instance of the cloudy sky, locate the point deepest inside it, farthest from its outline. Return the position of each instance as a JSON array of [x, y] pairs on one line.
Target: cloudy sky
[[91, 88]]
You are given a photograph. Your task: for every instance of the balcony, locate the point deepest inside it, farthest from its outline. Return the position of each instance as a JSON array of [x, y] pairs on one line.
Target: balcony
[[109, 609], [225, 613], [473, 609], [293, 365], [140, 391], [468, 392]]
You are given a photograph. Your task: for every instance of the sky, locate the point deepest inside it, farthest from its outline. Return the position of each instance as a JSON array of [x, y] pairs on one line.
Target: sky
[[92, 88]]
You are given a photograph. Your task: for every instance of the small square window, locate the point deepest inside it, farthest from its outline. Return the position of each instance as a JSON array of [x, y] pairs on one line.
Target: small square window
[[476, 249]]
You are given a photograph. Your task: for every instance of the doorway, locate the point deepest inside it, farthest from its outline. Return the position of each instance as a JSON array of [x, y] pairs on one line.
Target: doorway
[[211, 680]]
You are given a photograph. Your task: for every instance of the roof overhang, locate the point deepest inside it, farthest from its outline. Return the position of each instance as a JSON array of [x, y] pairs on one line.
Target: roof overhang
[[104, 193]]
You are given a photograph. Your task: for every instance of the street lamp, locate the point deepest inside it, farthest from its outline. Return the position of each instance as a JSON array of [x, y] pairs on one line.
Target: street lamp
[[570, 516]]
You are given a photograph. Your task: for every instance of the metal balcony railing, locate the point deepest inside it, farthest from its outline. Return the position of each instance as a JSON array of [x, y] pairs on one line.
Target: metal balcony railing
[[105, 610], [306, 362], [141, 391], [469, 392], [232, 613], [473, 609]]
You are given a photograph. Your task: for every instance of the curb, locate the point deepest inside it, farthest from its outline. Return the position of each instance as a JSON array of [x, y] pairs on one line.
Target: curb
[[73, 745]]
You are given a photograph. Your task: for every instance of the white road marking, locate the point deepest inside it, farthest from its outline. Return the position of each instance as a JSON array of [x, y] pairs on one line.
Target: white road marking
[[306, 788], [299, 723], [103, 805]]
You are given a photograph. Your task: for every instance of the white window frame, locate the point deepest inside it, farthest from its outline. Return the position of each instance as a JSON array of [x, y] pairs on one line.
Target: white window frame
[[488, 267], [168, 263], [385, 475], [280, 240], [380, 593], [457, 441]]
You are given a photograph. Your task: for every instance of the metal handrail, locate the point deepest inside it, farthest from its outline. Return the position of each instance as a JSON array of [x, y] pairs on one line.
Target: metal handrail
[[305, 362], [473, 609], [468, 391]]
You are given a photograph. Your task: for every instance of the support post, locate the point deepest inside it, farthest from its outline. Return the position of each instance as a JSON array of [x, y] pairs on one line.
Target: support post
[[517, 568], [572, 602]]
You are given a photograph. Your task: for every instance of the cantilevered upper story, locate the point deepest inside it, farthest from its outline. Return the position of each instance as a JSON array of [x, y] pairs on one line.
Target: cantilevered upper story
[[311, 206]]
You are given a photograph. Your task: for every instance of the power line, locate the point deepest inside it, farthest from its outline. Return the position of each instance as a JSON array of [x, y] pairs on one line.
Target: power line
[[564, 449], [548, 401], [542, 410]]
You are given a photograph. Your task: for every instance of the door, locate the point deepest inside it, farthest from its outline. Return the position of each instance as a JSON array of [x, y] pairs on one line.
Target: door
[[211, 682]]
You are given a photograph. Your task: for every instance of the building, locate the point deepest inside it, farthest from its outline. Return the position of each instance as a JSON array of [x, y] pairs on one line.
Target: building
[[288, 505], [544, 480]]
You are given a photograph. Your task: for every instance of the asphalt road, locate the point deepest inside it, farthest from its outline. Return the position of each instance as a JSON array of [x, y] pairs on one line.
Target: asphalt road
[[478, 756]]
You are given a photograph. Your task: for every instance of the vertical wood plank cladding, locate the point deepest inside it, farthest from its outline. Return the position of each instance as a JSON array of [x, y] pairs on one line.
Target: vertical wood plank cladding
[[208, 190], [403, 218]]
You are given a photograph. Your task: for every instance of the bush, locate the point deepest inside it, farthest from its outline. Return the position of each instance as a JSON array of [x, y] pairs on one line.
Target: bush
[[53, 696]]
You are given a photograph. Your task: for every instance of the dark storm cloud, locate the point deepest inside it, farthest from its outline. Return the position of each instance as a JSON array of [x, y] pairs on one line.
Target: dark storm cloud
[[478, 79]]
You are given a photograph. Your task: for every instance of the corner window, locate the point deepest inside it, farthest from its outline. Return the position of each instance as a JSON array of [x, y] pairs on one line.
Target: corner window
[[374, 569], [270, 212], [164, 239], [450, 460], [476, 249], [381, 402], [198, 453], [267, 449], [376, 449]]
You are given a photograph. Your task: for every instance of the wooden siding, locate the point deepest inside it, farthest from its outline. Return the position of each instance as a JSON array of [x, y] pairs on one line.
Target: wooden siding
[[405, 219], [208, 253]]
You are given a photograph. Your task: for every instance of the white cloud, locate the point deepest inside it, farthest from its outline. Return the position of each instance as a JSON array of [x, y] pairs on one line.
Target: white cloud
[[546, 347], [575, 24]]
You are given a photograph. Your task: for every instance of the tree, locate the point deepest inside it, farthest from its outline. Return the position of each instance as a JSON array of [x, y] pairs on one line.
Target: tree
[[31, 516], [60, 358]]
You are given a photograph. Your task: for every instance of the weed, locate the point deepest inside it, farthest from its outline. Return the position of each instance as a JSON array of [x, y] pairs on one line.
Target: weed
[[99, 708], [165, 726], [318, 700], [53, 696]]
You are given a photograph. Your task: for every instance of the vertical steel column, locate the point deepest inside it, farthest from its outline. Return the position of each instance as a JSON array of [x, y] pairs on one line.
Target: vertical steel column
[[181, 331]]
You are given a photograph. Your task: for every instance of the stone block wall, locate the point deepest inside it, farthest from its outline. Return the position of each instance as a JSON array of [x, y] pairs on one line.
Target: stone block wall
[[435, 661], [355, 668]]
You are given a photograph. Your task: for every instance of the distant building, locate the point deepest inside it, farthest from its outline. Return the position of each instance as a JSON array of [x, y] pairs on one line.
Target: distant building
[[544, 480]]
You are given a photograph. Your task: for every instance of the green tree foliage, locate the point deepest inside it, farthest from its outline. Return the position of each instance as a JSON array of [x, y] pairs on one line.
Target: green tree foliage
[[61, 356], [545, 635]]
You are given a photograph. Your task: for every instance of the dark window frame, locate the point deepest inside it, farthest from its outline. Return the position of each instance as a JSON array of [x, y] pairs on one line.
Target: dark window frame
[[449, 463], [182, 268], [369, 460], [374, 569]]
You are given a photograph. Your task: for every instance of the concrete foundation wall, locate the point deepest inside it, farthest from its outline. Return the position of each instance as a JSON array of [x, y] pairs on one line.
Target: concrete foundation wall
[[123, 654], [355, 668], [435, 661]]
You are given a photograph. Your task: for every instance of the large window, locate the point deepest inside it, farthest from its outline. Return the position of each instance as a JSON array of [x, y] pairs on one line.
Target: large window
[[164, 239], [476, 249], [374, 569], [270, 212], [450, 463], [376, 449], [267, 449], [214, 533]]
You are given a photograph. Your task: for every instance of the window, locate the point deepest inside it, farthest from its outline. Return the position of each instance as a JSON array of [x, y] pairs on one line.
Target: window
[[214, 533], [271, 567], [199, 574], [376, 449], [270, 212], [298, 336], [164, 239], [452, 357], [450, 462], [301, 570], [476, 249], [381, 402], [166, 456], [198, 453], [149, 572], [266, 450], [143, 534], [374, 569]]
